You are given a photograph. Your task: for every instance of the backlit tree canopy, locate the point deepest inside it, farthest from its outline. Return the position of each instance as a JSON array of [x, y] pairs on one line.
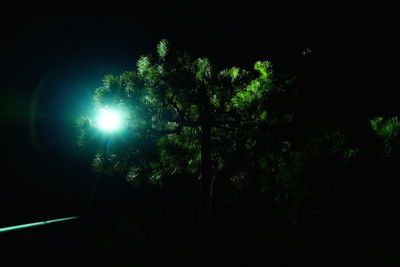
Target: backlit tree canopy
[[185, 117], [257, 129], [173, 101]]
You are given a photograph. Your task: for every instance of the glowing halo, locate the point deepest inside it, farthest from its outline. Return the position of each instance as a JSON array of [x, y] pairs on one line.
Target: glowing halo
[[109, 120]]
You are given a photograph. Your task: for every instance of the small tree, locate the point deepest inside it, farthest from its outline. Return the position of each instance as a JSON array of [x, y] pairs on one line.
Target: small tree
[[388, 131]]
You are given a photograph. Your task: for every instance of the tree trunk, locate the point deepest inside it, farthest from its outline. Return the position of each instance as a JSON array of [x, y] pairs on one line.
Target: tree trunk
[[205, 181], [205, 187]]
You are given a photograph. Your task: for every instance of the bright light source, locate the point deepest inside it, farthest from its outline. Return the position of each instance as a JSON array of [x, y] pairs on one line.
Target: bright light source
[[109, 120]]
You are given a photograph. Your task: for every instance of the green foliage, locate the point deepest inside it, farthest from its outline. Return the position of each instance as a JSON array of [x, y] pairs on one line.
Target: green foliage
[[203, 70], [162, 48], [164, 98], [232, 73], [351, 153], [388, 130], [255, 91], [143, 66], [147, 71], [179, 154], [254, 143], [244, 98], [257, 142], [293, 169], [306, 52], [98, 163], [83, 125], [100, 95], [263, 115], [133, 176], [264, 67]]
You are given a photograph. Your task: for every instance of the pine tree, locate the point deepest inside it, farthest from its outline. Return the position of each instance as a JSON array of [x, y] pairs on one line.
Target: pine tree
[[184, 117]]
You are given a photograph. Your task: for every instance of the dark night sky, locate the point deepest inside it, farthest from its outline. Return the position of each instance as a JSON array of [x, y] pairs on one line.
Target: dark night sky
[[53, 61]]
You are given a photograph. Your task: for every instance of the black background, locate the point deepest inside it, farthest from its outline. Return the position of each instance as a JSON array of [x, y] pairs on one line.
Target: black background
[[53, 58]]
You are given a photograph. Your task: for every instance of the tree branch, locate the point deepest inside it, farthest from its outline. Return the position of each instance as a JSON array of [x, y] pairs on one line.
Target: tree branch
[[177, 130], [183, 121]]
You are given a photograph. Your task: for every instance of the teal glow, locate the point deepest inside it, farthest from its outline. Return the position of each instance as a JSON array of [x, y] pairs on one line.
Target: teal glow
[[34, 110], [30, 225], [109, 120]]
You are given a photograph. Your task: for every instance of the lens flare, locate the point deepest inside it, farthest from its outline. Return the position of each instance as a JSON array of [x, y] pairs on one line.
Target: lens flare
[[109, 120]]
